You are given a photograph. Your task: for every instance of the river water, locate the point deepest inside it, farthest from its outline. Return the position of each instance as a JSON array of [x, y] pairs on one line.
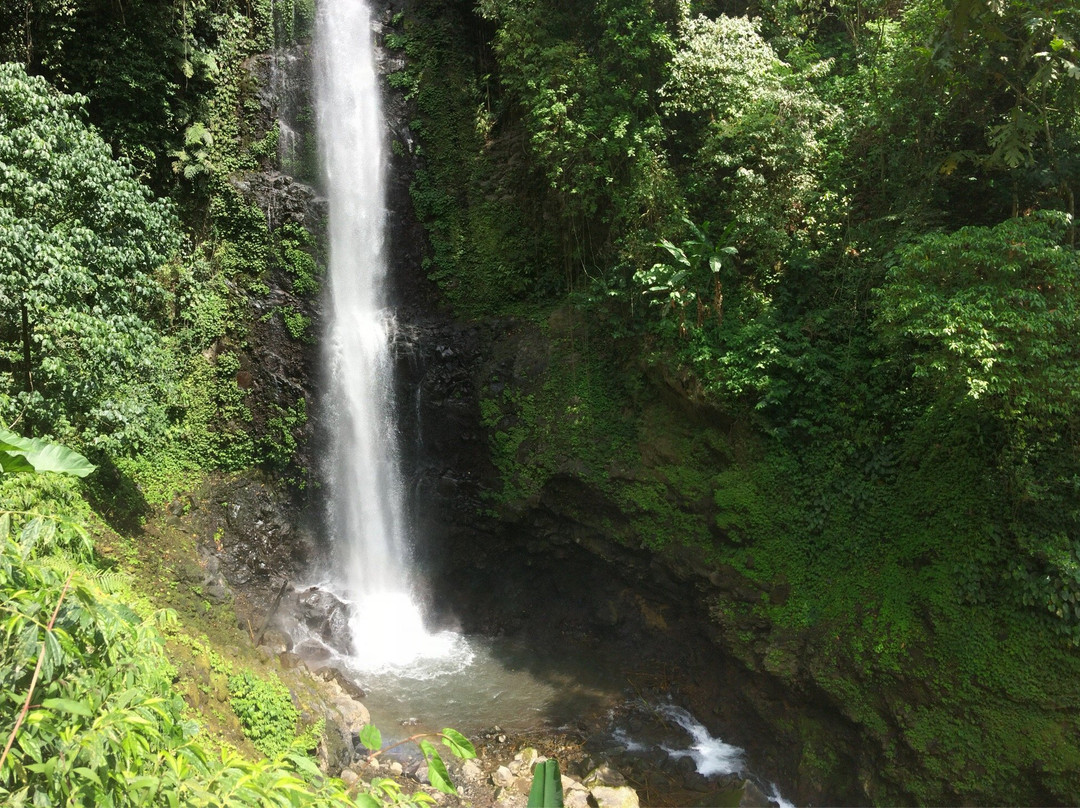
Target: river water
[[499, 687]]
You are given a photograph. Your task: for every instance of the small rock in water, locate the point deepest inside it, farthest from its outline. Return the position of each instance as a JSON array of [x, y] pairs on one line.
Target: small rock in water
[[494, 734], [754, 797]]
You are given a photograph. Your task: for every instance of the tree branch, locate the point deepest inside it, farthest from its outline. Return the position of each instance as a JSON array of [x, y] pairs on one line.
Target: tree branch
[[37, 672]]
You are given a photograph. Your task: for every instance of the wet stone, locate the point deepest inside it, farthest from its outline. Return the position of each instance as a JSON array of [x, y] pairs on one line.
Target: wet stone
[[289, 661], [754, 797], [604, 775]]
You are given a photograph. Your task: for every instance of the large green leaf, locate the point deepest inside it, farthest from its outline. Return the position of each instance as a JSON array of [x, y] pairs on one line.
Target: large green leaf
[[33, 454], [459, 745], [546, 791], [10, 463], [437, 773], [371, 738]]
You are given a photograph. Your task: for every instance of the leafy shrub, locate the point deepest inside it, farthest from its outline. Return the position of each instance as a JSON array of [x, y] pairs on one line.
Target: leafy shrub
[[80, 242], [265, 710]]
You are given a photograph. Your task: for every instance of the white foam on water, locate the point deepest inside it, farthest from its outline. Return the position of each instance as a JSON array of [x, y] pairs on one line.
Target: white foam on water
[[390, 637], [777, 797], [622, 737], [713, 756]]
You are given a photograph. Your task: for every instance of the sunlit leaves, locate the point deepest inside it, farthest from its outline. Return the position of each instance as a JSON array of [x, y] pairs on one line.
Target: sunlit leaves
[[266, 711], [459, 745], [31, 454], [752, 132], [80, 241], [994, 310], [105, 727]]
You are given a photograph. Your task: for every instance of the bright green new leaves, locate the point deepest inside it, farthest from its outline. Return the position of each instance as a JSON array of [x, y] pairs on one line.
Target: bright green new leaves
[[459, 745], [265, 710], [994, 313], [371, 737], [34, 455], [755, 148], [80, 241]]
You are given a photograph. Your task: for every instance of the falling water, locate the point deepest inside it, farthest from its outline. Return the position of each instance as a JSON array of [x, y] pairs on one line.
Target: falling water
[[367, 515]]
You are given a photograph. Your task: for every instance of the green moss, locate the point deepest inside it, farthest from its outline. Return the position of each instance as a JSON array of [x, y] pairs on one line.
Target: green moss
[[480, 201]]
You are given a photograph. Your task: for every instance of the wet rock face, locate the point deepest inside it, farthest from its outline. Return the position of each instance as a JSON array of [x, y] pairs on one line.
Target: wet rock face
[[444, 452], [324, 615], [264, 536], [252, 537]]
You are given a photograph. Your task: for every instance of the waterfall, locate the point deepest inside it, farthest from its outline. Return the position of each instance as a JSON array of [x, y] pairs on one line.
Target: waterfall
[[366, 512]]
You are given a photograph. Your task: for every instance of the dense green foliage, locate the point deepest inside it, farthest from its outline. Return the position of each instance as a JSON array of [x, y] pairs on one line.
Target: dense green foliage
[[795, 286], [125, 328], [266, 710], [103, 725], [139, 313], [840, 238], [79, 246]]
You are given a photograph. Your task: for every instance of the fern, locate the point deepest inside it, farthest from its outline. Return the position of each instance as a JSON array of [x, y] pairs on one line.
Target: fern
[[109, 582]]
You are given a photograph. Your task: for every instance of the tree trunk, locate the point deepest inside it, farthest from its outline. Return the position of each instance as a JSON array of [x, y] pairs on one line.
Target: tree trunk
[[26, 347]]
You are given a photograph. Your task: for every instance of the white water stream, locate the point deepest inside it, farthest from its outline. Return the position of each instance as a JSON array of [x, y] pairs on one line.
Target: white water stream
[[366, 513]]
